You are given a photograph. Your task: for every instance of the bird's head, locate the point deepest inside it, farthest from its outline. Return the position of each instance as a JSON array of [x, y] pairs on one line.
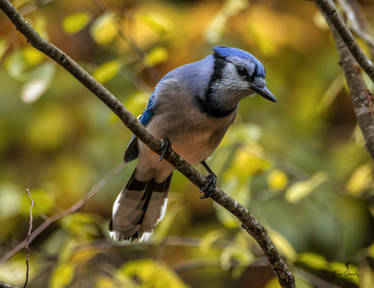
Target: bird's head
[[240, 72]]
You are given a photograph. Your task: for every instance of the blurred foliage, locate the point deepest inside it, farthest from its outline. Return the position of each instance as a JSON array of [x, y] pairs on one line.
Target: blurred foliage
[[299, 166]]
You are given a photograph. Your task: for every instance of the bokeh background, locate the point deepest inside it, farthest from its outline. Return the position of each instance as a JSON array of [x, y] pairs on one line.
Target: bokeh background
[[300, 165]]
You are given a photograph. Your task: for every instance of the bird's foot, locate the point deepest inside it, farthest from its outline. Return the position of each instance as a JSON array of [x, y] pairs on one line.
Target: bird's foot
[[166, 148], [209, 186]]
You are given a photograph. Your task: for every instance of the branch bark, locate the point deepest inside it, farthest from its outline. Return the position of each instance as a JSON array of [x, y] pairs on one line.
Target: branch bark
[[361, 97], [358, 22], [251, 225], [329, 11]]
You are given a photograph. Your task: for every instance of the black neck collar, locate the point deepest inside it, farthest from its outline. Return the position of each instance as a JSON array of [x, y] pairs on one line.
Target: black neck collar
[[206, 103]]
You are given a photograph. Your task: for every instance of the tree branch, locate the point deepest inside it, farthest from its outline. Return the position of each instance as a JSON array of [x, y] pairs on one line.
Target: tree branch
[[358, 21], [251, 225], [28, 239], [361, 97], [329, 10], [74, 208]]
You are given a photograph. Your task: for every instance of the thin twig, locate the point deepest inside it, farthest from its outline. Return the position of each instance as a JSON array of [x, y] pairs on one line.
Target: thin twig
[[361, 97], [74, 208], [252, 226], [358, 22], [28, 239], [329, 9]]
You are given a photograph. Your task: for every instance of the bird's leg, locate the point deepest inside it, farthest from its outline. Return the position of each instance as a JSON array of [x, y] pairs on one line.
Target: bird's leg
[[210, 182], [166, 148]]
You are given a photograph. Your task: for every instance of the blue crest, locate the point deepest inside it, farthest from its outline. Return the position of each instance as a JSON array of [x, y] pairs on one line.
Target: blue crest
[[229, 51]]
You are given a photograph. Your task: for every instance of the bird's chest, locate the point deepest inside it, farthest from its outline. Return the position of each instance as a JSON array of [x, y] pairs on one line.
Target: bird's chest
[[198, 138]]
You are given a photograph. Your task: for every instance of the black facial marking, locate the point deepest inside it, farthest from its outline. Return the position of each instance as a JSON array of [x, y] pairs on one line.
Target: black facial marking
[[241, 71], [207, 104]]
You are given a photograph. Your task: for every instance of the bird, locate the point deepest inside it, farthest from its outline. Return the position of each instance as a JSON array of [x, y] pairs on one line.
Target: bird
[[190, 110]]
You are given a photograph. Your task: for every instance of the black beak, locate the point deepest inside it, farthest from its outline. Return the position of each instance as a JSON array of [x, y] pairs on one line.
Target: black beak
[[264, 92]]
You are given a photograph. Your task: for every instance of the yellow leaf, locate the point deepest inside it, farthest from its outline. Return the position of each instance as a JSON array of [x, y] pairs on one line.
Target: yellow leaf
[[283, 245], [108, 70], [137, 102], [81, 256], [107, 282], [272, 283], [234, 254], [346, 271], [150, 274], [75, 22], [277, 180], [156, 56], [361, 179], [320, 21], [32, 56], [156, 22], [366, 277], [209, 239], [3, 47], [313, 260], [81, 224], [105, 28], [44, 202], [62, 276], [302, 189]]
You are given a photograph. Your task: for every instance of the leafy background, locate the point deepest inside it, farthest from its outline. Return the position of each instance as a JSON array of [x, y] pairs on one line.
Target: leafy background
[[300, 165]]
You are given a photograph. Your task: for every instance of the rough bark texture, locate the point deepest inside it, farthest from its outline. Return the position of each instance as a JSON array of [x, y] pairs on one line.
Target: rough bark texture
[[361, 97], [254, 228], [329, 10]]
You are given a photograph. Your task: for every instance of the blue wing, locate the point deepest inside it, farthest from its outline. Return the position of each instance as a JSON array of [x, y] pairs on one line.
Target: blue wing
[[148, 113], [132, 151]]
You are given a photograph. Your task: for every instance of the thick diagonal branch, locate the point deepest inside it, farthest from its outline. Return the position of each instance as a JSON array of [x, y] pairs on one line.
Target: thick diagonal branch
[[329, 11], [253, 227], [361, 97]]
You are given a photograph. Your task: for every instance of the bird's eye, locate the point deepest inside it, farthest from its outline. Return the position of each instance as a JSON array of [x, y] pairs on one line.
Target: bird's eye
[[242, 71]]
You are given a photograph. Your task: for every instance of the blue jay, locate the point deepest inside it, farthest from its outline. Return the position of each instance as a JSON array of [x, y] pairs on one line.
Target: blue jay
[[190, 110]]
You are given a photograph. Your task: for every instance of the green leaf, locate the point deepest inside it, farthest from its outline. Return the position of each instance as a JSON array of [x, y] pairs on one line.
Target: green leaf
[[156, 56], [16, 65], [10, 199], [150, 274], [108, 70], [75, 22], [38, 83], [302, 189], [105, 28]]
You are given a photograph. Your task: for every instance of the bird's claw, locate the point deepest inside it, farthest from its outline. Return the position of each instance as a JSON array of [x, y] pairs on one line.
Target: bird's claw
[[209, 186], [166, 148]]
